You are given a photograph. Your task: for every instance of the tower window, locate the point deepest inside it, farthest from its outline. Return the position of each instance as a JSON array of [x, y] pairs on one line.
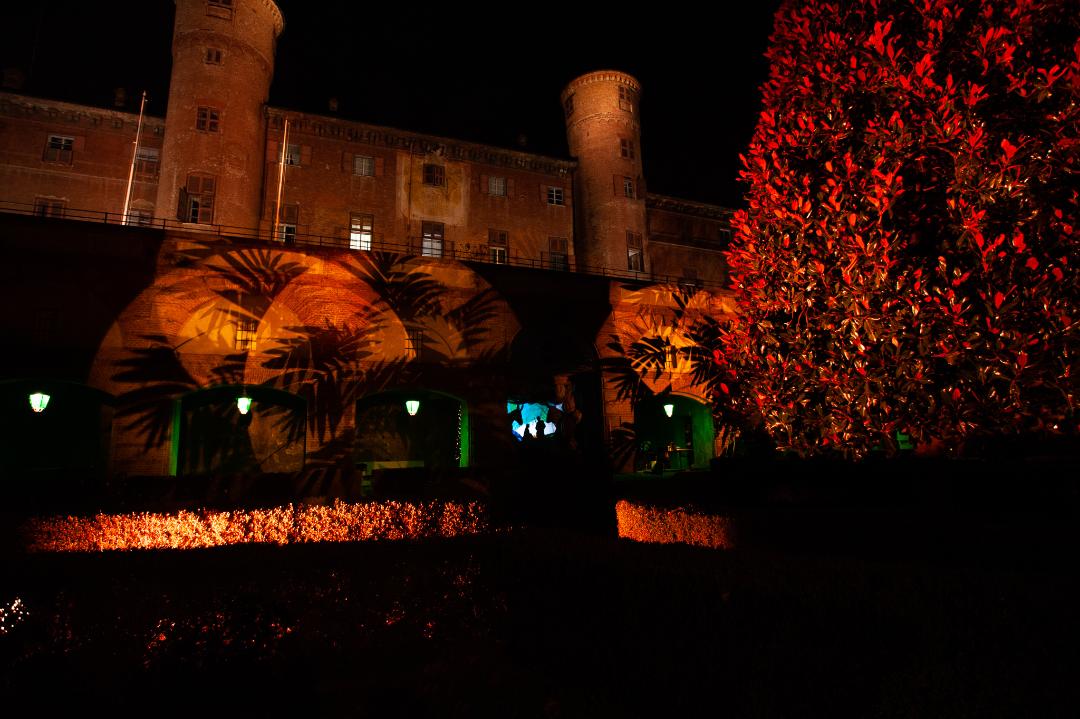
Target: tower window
[[635, 254], [432, 240], [626, 98], [628, 187], [558, 253], [626, 149], [568, 105], [213, 56], [498, 246], [364, 165], [146, 161], [497, 186], [220, 8], [434, 175], [555, 196], [360, 231], [59, 148], [197, 199], [207, 119]]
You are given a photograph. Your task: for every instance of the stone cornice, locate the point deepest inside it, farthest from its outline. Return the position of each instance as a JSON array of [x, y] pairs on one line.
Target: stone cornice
[[602, 76], [336, 128], [688, 207], [72, 114], [279, 20]]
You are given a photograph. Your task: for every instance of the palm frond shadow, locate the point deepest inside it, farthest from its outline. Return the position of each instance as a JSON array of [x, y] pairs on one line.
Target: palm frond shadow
[[148, 409], [409, 294]]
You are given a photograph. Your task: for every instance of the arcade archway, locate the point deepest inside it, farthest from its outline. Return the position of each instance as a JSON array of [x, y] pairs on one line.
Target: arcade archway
[[243, 429], [682, 440], [412, 429]]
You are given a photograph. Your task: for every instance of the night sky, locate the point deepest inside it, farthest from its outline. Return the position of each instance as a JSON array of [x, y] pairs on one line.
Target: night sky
[[490, 73]]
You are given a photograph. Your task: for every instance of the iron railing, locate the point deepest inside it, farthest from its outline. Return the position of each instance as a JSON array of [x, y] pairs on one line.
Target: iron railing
[[413, 245]]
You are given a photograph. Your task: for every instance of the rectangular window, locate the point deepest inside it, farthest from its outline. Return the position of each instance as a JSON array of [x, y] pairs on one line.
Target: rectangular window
[[497, 186], [555, 196], [141, 217], [287, 222], [360, 231], [626, 98], [292, 154], [690, 278], [558, 254], [626, 149], [147, 160], [628, 187], [635, 254], [246, 330], [414, 342], [197, 199], [498, 246], [59, 148], [432, 240], [364, 166], [213, 56], [434, 175], [568, 105], [49, 207], [207, 119]]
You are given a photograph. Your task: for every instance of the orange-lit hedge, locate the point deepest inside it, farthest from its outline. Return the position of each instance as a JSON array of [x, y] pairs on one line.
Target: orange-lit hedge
[[665, 526], [341, 522]]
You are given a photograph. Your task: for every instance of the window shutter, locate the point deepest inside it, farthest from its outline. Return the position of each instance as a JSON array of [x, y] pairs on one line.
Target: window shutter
[[305, 155], [543, 194], [509, 187], [378, 167], [182, 205], [194, 187], [616, 185], [273, 150], [346, 162], [79, 144]]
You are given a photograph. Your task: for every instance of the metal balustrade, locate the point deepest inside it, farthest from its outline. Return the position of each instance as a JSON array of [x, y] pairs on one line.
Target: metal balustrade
[[412, 245]]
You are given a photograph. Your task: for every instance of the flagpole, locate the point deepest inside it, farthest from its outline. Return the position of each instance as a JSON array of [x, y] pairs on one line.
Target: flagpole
[[134, 157], [281, 178]]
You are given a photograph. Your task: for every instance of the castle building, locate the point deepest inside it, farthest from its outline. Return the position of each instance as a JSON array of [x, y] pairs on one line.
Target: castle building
[[327, 273]]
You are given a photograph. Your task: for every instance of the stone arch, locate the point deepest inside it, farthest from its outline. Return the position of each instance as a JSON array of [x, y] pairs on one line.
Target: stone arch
[[436, 438], [683, 440], [214, 432]]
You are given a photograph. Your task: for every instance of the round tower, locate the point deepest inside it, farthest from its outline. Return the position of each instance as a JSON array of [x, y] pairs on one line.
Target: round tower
[[604, 134], [215, 132]]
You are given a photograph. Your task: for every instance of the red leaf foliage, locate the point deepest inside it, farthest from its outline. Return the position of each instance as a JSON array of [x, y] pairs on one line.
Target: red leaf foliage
[[906, 242]]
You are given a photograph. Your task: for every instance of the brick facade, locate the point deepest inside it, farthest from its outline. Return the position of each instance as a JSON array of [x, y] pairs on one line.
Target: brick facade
[[518, 274]]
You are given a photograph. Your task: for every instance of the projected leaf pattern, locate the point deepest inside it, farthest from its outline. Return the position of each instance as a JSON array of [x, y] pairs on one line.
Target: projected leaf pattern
[[331, 364]]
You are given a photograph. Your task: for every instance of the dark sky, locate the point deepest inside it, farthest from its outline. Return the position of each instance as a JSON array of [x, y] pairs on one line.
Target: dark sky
[[487, 73]]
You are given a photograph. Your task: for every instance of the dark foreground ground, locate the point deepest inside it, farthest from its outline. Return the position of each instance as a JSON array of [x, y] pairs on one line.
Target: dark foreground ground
[[833, 604]]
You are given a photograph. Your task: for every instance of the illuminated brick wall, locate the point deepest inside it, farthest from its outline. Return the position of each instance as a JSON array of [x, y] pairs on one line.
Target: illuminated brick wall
[[336, 169], [91, 175]]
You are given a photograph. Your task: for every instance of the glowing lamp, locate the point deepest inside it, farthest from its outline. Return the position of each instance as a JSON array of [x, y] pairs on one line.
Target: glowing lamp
[[39, 401], [669, 409], [243, 404], [412, 406]]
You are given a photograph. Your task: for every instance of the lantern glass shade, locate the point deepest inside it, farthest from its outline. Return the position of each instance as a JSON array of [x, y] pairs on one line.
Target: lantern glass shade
[[243, 404], [39, 401], [669, 409], [412, 406]]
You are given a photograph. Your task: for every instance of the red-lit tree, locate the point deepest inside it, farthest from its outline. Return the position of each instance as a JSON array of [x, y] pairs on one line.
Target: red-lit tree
[[908, 259]]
